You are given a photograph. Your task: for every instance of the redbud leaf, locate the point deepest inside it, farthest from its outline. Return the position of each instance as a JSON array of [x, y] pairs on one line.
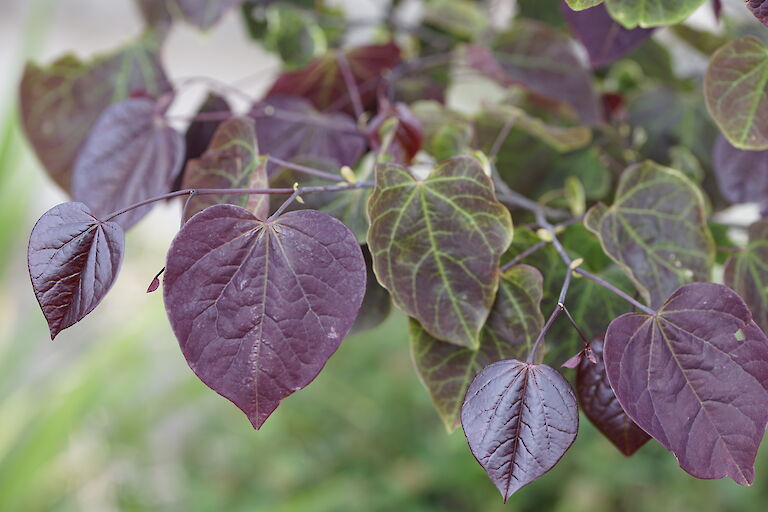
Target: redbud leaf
[[436, 245], [408, 137], [131, 154], [519, 420], [61, 102], [542, 60], [600, 405], [651, 13], [735, 88], [606, 40], [656, 230], [694, 377], [747, 272], [515, 320], [760, 9], [231, 161], [580, 5], [289, 128], [200, 132], [200, 13], [73, 260], [376, 303], [322, 81], [742, 175], [259, 306]]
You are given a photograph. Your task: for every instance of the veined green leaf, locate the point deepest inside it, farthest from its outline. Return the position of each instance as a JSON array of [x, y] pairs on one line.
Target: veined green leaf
[[580, 5], [515, 320], [656, 230], [651, 13], [747, 272], [436, 245]]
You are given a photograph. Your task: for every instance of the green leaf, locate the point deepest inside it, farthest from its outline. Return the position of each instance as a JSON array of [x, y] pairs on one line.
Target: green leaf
[[656, 230], [436, 245], [560, 138], [60, 102], [580, 5], [462, 19], [515, 320], [651, 13], [747, 272], [736, 90], [446, 133], [231, 161]]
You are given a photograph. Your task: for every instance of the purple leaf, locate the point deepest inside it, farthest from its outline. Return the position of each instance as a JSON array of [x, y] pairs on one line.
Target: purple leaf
[[599, 403], [131, 154], [259, 307], [519, 420], [747, 272], [408, 137], [200, 132], [694, 377], [742, 175], [605, 40], [760, 9], [73, 260], [231, 161], [59, 103], [290, 129], [543, 61], [436, 245]]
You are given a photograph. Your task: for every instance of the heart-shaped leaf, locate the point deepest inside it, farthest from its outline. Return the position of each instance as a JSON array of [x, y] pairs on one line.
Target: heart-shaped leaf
[[436, 245], [232, 161], [747, 272], [290, 129], [519, 420], [322, 81], [512, 327], [131, 154], [60, 102], [73, 260], [760, 9], [694, 377], [742, 175], [599, 403], [259, 306], [651, 13], [605, 40], [656, 230], [735, 88], [543, 61]]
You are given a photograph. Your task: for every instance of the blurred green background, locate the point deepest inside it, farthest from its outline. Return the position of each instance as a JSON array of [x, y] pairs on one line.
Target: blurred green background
[[109, 418]]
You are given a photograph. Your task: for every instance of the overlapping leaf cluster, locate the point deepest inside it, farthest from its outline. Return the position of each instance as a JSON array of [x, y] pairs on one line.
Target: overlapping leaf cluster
[[572, 210]]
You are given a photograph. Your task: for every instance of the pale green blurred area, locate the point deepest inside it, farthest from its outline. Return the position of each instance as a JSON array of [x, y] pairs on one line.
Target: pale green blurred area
[[109, 417]]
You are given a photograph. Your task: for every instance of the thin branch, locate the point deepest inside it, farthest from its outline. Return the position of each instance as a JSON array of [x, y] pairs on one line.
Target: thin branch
[[304, 169], [349, 81], [243, 191], [520, 257], [605, 284], [575, 326], [516, 200], [501, 137]]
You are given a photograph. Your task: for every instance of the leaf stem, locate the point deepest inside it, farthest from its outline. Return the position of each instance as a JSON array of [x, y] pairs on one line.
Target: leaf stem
[[605, 284], [520, 257], [575, 326], [236, 191], [304, 169], [349, 81]]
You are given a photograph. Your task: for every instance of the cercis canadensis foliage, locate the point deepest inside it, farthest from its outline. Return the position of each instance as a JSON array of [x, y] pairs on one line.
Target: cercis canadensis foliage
[[357, 182]]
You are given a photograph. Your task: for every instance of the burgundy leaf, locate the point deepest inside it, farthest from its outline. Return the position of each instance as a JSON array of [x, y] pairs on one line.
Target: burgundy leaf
[[519, 420], [694, 377], [322, 80], [605, 40], [542, 60], [760, 9], [407, 140], [73, 260], [717, 8], [599, 403], [131, 154], [742, 175], [290, 129], [200, 132], [259, 306], [59, 103]]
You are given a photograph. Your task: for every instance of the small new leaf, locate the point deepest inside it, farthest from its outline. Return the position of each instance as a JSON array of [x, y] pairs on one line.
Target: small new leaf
[[73, 260]]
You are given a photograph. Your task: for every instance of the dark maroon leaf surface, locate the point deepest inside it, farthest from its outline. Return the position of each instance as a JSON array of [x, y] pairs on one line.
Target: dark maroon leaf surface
[[742, 175], [290, 129], [599, 403], [543, 61], [131, 154], [322, 81], [605, 39], [60, 102], [694, 377], [408, 138], [73, 261], [759, 8], [259, 307], [200, 132], [519, 420]]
